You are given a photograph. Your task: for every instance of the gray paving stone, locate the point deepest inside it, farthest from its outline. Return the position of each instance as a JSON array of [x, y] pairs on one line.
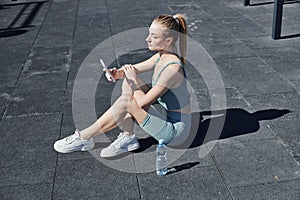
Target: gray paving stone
[[8, 15], [43, 81], [186, 6], [238, 66], [254, 162], [5, 93], [90, 19], [251, 163], [55, 37], [277, 190], [290, 29], [207, 41], [276, 55], [40, 16], [180, 159], [209, 28], [192, 156], [80, 179], [276, 101], [50, 53], [65, 10], [40, 65], [221, 8], [91, 7], [31, 161], [119, 19], [30, 172], [288, 132], [263, 133], [24, 41], [257, 84], [288, 70], [75, 156], [105, 92], [91, 36], [30, 129], [71, 109], [77, 59], [267, 42], [27, 192], [234, 99], [10, 58], [296, 85], [155, 5], [2, 105], [229, 51], [57, 32], [239, 125], [197, 80], [84, 117], [9, 75], [31, 101], [252, 10], [244, 27], [264, 20], [45, 59], [26, 156], [195, 187]]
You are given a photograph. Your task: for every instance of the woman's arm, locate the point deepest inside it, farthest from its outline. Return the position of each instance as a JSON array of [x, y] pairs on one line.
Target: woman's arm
[[144, 66], [168, 79]]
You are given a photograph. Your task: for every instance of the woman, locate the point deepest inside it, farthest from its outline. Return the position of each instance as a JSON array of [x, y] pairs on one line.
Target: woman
[[145, 105]]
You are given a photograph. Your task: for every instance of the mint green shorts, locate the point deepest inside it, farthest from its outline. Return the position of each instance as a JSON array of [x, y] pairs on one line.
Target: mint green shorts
[[172, 127]]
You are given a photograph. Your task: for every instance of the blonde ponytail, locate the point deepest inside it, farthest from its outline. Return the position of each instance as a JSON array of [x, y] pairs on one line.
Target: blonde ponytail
[[182, 36]]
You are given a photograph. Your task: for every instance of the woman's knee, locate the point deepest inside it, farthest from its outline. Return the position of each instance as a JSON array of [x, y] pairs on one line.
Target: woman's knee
[[126, 89], [124, 102]]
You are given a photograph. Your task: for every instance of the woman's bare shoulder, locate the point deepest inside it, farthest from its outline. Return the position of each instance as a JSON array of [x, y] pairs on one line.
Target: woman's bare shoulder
[[155, 56], [170, 58]]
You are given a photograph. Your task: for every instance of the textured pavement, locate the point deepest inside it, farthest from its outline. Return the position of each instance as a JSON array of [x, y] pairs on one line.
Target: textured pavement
[[41, 50]]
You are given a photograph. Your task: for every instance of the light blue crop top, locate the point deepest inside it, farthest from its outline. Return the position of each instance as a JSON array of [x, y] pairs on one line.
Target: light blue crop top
[[174, 98]]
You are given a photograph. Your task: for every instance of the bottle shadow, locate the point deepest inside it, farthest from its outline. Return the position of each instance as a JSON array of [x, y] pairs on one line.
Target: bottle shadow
[[221, 124], [182, 167]]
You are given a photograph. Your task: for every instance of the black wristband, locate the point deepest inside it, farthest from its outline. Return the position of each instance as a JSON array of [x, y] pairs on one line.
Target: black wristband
[[133, 85]]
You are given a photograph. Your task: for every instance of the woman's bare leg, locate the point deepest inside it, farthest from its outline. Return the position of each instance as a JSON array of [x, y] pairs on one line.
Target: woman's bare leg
[[110, 119], [116, 114]]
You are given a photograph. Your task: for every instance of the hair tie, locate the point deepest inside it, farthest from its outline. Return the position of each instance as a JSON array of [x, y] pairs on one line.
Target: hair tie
[[176, 19]]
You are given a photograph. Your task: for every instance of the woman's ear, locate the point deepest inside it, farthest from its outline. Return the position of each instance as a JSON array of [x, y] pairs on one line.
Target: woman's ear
[[169, 40]]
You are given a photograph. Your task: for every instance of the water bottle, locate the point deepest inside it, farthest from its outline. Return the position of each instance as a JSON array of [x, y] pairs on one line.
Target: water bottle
[[161, 158]]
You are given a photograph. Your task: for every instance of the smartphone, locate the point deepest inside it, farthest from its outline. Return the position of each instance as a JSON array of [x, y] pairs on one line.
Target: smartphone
[[107, 72]]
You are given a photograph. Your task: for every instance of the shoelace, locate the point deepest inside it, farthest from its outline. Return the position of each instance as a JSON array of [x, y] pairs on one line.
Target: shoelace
[[118, 139], [72, 137]]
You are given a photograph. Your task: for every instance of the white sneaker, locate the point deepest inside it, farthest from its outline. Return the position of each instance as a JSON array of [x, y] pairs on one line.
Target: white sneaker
[[73, 143], [121, 145]]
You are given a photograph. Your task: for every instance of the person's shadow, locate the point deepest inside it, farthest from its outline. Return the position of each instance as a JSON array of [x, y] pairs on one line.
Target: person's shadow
[[207, 126], [215, 125]]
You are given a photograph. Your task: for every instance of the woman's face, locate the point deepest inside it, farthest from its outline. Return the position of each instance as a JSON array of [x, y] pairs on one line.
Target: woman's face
[[156, 39]]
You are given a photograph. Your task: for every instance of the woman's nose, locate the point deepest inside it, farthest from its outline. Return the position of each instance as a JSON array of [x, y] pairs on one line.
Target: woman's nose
[[148, 39]]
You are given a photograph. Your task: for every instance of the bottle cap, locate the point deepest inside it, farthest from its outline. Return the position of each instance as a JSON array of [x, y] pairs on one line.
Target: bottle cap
[[160, 141]]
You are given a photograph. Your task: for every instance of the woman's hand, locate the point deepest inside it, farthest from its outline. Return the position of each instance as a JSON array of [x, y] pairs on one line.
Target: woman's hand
[[130, 73], [115, 73]]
